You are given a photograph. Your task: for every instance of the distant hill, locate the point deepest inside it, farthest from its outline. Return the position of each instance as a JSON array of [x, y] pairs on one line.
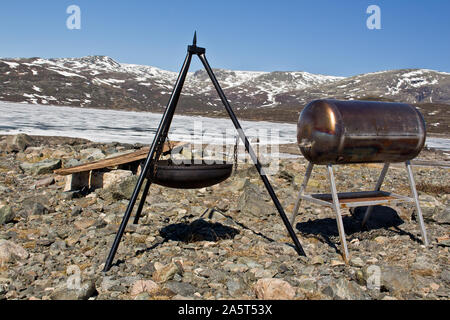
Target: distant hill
[[101, 82]]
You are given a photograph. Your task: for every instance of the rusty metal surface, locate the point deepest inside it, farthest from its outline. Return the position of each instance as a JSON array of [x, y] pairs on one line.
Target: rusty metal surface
[[339, 132]]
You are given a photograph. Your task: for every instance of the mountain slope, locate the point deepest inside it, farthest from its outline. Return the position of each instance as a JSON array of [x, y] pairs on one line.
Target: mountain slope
[[101, 82]]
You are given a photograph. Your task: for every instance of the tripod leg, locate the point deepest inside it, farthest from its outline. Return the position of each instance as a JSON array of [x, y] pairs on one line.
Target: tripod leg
[[127, 214], [153, 155], [252, 155], [142, 202]]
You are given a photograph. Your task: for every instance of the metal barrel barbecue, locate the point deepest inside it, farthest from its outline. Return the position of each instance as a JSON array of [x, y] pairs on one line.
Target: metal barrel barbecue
[[333, 132], [342, 132]]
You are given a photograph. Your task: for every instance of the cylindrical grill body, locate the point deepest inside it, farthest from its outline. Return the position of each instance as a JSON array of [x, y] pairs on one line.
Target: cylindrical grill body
[[338, 132]]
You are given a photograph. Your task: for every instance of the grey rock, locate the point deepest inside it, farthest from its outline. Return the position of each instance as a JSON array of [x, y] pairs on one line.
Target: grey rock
[[57, 247], [357, 262], [442, 216], [235, 286], [308, 285], [181, 288], [72, 163], [120, 191], [18, 142], [444, 243], [429, 205], [223, 205], [92, 154], [5, 189], [41, 167], [33, 206], [249, 262], [236, 267], [6, 214], [76, 211], [45, 182], [166, 273], [252, 201], [86, 290], [343, 289], [10, 252], [396, 279], [142, 296], [445, 275]]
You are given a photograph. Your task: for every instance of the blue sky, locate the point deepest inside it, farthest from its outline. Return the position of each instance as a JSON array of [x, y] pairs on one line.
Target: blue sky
[[321, 36]]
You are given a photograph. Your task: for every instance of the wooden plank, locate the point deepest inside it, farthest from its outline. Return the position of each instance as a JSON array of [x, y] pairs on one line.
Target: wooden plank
[[427, 163], [114, 161]]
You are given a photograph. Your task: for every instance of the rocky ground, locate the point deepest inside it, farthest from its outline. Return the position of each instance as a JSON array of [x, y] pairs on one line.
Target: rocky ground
[[220, 242]]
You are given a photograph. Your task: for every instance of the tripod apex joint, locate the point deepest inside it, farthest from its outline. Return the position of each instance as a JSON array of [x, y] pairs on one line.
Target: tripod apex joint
[[193, 49]]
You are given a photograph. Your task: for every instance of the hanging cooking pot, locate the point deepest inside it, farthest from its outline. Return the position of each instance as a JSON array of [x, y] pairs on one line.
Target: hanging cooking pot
[[190, 176]]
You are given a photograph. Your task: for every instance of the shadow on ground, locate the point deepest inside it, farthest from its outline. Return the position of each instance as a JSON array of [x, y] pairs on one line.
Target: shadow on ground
[[382, 218], [198, 230]]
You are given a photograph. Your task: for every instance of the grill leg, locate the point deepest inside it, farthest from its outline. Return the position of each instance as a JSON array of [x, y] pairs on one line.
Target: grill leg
[[377, 188], [416, 202], [302, 189], [337, 209]]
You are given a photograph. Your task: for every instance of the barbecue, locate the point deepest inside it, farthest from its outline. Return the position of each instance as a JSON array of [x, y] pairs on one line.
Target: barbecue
[[190, 176], [332, 132]]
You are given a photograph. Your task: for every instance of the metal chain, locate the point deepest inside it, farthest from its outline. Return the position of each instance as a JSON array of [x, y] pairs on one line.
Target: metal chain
[[236, 153]]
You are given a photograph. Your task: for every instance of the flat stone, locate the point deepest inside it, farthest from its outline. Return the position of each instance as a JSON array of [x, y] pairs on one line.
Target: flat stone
[[144, 286], [263, 273], [274, 289], [6, 214], [18, 142], [45, 182], [84, 292], [335, 263], [41, 167], [252, 201], [235, 286], [10, 251], [92, 154], [181, 288], [396, 280], [442, 216], [34, 206], [236, 267], [84, 223], [343, 289], [357, 262], [112, 177], [317, 260], [429, 205], [166, 273]]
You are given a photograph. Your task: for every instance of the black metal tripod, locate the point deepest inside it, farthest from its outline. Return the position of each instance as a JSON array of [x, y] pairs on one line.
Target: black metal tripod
[[158, 142]]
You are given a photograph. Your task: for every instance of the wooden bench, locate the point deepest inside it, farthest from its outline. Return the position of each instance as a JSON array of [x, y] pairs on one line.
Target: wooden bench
[[91, 174]]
